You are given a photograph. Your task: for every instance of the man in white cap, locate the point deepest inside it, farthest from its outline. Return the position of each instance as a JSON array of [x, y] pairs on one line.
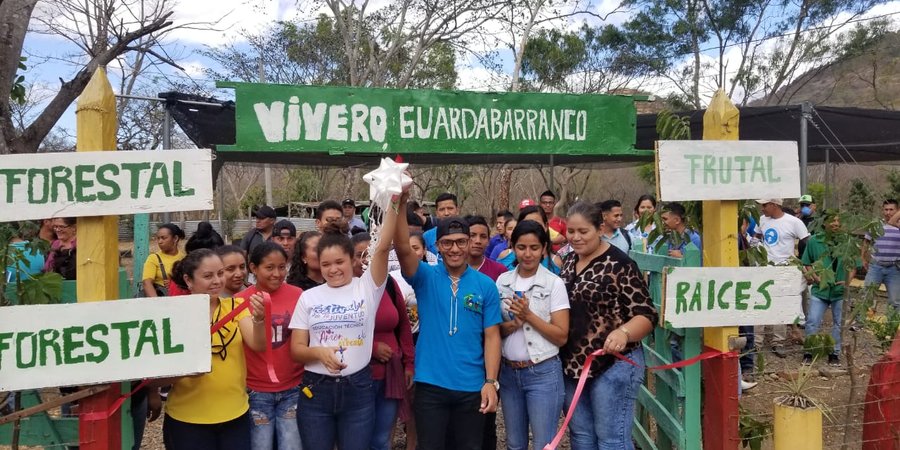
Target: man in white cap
[[780, 233]]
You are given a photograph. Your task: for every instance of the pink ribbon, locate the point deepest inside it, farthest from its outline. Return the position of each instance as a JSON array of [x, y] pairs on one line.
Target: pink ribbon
[[583, 377]]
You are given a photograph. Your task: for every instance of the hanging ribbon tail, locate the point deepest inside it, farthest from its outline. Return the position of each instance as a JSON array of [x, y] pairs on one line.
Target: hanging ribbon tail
[[270, 352], [106, 414], [386, 182], [582, 379]]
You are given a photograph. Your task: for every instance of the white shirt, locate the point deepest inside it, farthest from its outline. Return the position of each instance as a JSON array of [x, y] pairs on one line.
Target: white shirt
[[781, 235], [515, 346], [340, 317]]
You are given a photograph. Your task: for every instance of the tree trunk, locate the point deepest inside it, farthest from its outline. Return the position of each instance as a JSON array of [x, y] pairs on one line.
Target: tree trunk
[[506, 173], [14, 18]]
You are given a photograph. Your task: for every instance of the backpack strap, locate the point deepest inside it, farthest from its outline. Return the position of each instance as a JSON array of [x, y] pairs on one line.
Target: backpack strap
[[627, 237]]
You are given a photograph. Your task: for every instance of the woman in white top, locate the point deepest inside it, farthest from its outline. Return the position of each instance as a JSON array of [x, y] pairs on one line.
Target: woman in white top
[[536, 323], [333, 327]]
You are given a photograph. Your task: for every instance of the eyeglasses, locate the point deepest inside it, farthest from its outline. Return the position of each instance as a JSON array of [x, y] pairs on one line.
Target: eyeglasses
[[447, 244], [61, 227], [550, 202], [332, 219]]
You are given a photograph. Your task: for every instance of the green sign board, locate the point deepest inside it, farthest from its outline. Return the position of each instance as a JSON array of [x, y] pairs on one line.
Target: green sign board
[[338, 120]]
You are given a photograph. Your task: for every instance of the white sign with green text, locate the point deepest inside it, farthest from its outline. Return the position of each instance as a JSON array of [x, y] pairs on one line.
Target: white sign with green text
[[727, 170], [74, 184], [100, 342], [697, 297]]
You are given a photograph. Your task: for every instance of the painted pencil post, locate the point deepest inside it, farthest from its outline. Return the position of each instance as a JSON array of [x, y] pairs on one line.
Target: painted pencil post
[[720, 249], [97, 259]]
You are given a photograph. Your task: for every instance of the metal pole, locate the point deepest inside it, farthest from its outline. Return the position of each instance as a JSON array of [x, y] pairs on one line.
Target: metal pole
[[267, 169], [804, 115], [552, 186], [827, 179], [167, 144]]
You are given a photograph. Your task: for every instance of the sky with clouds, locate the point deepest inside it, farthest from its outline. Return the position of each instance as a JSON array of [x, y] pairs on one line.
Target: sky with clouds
[[51, 57]]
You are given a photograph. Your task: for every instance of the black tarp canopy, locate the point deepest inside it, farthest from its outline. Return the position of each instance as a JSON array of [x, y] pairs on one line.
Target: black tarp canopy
[[850, 134]]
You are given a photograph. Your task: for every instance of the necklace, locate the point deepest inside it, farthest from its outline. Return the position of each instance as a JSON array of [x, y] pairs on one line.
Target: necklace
[[454, 305]]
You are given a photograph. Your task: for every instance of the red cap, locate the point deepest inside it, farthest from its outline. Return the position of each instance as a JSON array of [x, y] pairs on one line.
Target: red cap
[[526, 202]]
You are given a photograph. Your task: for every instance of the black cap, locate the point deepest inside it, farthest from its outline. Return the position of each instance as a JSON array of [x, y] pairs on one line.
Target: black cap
[[452, 225], [284, 224], [348, 201], [265, 212]]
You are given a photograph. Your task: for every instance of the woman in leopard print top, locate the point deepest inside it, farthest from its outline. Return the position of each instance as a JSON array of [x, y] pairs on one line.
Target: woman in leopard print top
[[610, 309]]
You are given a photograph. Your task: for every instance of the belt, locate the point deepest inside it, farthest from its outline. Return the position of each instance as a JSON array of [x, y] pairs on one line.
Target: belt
[[518, 364], [886, 263]]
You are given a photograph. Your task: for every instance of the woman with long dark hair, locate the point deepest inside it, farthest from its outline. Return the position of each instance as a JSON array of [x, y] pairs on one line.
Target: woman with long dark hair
[[273, 405], [610, 309], [646, 205], [211, 411], [305, 272], [536, 323], [333, 335]]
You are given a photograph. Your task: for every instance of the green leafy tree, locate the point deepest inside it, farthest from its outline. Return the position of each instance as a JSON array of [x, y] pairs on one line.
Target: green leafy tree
[[860, 199]]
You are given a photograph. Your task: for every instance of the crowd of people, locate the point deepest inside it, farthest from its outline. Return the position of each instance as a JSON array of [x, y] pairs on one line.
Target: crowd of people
[[439, 322]]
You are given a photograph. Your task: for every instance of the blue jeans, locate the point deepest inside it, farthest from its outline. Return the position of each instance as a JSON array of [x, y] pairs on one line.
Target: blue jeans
[[533, 395], [341, 410], [275, 414], [817, 309], [385, 415], [605, 412], [890, 276]]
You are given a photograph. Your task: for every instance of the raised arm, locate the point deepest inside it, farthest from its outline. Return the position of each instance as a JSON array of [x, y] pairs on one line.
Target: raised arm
[[379, 264], [409, 263]]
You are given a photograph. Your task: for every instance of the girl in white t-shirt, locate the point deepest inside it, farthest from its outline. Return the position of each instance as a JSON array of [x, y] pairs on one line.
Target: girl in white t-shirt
[[333, 333]]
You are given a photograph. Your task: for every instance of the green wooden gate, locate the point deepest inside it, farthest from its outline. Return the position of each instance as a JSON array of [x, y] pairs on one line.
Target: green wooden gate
[[668, 407], [46, 431]]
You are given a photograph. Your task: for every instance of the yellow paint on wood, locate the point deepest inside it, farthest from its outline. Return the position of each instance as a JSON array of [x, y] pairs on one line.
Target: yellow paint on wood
[[98, 245], [720, 245], [797, 428]]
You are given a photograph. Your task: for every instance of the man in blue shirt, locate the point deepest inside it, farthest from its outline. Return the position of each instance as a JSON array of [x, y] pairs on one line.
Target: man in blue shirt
[[445, 206], [458, 351]]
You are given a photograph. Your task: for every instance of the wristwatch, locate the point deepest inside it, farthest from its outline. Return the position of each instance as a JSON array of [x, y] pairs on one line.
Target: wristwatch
[[493, 382]]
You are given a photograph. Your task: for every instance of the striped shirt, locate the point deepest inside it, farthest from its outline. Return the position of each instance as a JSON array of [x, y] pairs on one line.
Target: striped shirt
[[887, 247]]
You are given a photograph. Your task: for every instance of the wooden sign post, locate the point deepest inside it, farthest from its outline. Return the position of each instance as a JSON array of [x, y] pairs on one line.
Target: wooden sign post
[[720, 249], [89, 343], [97, 259]]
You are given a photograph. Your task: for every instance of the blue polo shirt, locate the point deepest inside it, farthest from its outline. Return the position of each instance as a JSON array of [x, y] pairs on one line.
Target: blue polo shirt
[[453, 361]]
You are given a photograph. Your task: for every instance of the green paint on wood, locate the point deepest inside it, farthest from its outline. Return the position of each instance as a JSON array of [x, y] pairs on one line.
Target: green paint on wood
[[340, 120], [674, 402], [141, 248]]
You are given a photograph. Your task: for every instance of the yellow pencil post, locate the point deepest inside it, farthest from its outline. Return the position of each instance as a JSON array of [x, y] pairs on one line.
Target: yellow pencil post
[[98, 242], [97, 257], [720, 249], [797, 428]]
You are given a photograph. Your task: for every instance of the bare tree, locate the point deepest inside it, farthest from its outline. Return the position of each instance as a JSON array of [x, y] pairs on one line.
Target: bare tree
[[101, 30], [372, 40]]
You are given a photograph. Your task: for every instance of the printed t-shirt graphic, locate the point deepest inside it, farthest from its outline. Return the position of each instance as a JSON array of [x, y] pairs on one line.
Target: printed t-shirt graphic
[[284, 302], [341, 317]]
